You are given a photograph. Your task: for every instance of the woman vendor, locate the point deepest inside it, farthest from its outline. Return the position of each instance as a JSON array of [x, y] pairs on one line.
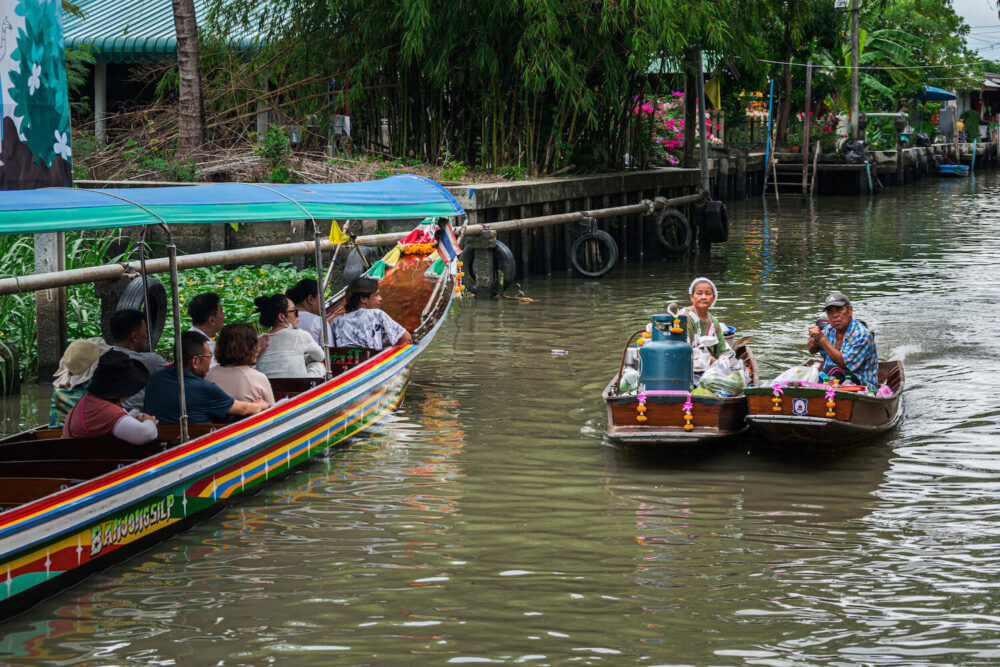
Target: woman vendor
[[703, 329]]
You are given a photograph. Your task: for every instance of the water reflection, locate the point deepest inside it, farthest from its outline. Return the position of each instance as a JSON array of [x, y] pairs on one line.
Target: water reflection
[[488, 521]]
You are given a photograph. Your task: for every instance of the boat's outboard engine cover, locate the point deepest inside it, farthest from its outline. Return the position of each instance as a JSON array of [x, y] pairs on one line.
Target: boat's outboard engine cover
[[666, 357]]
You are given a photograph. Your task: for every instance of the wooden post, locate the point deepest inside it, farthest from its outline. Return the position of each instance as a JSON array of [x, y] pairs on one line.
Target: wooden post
[[855, 105], [101, 102], [954, 131], [50, 304], [805, 130], [702, 130]]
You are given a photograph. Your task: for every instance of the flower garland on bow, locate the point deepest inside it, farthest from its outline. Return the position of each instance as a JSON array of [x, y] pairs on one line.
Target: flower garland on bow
[[641, 408], [688, 417]]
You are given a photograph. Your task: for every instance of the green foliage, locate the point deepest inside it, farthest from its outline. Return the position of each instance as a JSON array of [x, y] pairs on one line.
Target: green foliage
[[453, 170], [237, 288], [38, 87], [17, 311], [971, 119], [275, 147], [492, 82], [513, 172], [83, 146], [79, 60], [157, 156]]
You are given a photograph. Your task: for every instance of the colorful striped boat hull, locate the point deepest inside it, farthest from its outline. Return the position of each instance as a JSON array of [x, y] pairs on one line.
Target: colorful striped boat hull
[[52, 542]]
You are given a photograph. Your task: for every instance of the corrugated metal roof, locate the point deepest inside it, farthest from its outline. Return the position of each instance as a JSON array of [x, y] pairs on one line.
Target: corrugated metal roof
[[128, 30]]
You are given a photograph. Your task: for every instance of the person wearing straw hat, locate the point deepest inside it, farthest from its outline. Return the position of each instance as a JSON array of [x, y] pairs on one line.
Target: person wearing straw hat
[[703, 329], [99, 413], [73, 377]]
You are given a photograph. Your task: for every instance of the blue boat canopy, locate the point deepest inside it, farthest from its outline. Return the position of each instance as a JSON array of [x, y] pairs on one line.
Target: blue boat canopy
[[68, 209]]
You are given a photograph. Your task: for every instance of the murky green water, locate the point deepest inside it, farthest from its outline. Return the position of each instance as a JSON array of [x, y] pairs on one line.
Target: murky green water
[[489, 521]]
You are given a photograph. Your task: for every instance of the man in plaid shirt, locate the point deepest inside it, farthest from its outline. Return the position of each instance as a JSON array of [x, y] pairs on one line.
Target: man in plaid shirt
[[847, 346]]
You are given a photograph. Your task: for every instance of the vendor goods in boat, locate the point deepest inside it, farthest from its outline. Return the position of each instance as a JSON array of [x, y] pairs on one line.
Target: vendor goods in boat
[[71, 506], [661, 408], [811, 416]]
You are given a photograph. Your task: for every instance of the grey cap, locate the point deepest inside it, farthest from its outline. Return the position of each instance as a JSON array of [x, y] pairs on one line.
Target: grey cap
[[836, 299]]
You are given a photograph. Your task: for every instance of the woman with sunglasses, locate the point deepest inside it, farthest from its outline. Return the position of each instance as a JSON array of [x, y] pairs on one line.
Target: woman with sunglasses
[[287, 351]]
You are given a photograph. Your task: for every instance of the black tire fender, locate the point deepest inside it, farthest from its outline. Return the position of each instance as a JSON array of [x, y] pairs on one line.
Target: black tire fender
[[604, 239], [672, 230], [504, 268], [716, 222], [132, 299]]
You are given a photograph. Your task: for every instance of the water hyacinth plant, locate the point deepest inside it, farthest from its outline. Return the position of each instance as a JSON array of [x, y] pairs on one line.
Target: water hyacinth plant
[[665, 115]]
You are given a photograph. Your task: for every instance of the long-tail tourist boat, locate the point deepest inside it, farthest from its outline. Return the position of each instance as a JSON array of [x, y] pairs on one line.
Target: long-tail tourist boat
[[661, 412], [70, 506], [812, 417]]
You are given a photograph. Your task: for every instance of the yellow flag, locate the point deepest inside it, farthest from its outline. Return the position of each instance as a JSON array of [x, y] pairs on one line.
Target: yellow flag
[[336, 234], [393, 256]]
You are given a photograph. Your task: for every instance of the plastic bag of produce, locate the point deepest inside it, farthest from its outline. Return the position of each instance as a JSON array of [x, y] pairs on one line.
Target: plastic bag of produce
[[724, 377], [629, 381], [798, 374]]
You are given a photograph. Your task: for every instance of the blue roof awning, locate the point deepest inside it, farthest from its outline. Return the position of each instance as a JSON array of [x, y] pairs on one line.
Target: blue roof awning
[[932, 94]]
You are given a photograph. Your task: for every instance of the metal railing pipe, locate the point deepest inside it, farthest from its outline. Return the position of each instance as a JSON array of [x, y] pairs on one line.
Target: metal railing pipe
[[40, 281]]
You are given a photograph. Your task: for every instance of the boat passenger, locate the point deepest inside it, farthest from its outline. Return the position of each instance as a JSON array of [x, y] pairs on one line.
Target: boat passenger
[[72, 378], [846, 345], [364, 324], [207, 317], [99, 413], [303, 295], [236, 353], [289, 352], [703, 329], [206, 403], [129, 334]]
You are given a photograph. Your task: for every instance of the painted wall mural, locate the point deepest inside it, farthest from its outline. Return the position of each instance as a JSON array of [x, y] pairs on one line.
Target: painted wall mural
[[35, 128]]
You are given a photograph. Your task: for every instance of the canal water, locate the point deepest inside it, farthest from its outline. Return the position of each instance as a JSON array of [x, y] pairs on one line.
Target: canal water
[[490, 521]]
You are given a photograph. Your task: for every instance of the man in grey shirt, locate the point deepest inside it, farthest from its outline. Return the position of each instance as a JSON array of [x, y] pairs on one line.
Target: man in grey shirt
[[128, 331]]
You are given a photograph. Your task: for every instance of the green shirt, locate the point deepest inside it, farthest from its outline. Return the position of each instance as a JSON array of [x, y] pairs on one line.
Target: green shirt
[[697, 328]]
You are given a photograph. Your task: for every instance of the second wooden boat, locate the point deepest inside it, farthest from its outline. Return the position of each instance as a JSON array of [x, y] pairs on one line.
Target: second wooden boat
[[810, 417]]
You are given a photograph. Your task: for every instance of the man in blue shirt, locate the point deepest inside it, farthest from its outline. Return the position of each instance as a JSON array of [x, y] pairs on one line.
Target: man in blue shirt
[[847, 346], [206, 403]]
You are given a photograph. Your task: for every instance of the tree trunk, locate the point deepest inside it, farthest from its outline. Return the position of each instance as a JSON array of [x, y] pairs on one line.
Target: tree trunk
[[690, 106], [191, 117], [785, 106]]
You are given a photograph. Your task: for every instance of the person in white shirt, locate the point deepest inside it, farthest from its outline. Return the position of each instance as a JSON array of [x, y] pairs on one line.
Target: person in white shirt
[[208, 318], [303, 295], [290, 352]]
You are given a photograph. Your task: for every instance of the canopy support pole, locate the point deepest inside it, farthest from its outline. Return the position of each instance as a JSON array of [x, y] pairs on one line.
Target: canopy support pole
[[178, 352], [321, 301], [145, 288]]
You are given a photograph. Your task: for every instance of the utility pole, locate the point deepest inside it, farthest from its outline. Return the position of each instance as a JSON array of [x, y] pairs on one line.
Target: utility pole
[[805, 130], [855, 106]]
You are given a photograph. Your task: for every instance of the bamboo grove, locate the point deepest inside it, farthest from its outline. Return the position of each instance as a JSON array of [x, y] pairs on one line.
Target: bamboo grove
[[537, 84]]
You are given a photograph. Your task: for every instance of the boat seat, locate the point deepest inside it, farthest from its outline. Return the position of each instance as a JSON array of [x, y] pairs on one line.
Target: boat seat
[[72, 468], [75, 448], [16, 491], [288, 387], [343, 359]]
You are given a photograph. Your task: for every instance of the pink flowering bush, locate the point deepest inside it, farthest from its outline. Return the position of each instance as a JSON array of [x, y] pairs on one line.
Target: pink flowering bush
[[822, 128], [667, 116]]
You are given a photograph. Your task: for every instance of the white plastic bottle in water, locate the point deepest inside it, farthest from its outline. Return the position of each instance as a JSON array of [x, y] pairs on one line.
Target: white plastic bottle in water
[[630, 380]]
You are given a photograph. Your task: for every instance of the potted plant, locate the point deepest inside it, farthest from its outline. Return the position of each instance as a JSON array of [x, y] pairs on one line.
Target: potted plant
[[794, 137]]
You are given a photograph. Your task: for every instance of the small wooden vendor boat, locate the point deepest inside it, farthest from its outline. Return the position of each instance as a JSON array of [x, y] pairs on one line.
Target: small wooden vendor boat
[[71, 506], [713, 419], [814, 417]]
